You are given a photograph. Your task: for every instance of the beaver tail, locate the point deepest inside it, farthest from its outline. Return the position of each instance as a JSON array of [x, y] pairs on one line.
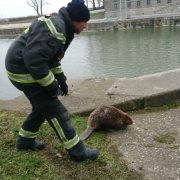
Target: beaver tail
[[86, 133]]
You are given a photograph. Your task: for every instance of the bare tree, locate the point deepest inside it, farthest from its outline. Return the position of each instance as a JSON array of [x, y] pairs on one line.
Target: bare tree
[[87, 3], [37, 5], [100, 3], [95, 3]]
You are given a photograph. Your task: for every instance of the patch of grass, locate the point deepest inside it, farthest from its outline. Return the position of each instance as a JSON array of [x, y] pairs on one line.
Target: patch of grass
[[97, 15], [165, 138], [53, 162]]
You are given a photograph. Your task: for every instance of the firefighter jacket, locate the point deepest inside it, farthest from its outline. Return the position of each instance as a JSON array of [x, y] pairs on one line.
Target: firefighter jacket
[[33, 59]]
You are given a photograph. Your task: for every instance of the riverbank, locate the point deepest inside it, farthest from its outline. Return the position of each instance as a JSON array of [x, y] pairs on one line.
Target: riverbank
[[108, 24], [135, 22], [150, 146], [126, 93]]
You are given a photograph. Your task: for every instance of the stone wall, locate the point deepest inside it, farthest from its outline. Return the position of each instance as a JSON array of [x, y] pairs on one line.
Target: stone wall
[[13, 29], [12, 32], [117, 24], [106, 24]]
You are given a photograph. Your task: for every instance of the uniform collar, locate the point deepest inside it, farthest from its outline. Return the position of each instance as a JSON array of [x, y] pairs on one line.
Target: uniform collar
[[67, 18]]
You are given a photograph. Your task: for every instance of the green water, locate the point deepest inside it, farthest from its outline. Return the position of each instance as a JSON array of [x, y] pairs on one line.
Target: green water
[[125, 53]]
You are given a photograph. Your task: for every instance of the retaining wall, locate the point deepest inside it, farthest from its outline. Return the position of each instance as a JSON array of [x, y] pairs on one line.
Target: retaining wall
[[107, 24], [13, 29], [133, 23]]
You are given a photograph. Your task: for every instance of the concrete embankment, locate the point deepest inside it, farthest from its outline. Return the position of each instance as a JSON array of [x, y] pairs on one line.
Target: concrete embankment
[[125, 93], [136, 22], [108, 24], [12, 29]]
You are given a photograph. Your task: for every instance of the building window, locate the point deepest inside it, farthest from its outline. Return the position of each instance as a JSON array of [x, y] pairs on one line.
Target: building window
[[169, 1], [129, 3], [115, 6], [138, 3], [158, 1], [148, 2]]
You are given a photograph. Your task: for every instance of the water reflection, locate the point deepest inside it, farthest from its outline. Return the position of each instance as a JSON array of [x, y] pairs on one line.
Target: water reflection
[[134, 52]]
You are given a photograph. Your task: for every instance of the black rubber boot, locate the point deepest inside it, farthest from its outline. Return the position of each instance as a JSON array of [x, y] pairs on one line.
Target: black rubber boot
[[29, 144], [80, 153], [90, 154]]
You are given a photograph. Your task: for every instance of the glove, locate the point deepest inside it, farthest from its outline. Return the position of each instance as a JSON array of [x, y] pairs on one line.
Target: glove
[[64, 88], [62, 83]]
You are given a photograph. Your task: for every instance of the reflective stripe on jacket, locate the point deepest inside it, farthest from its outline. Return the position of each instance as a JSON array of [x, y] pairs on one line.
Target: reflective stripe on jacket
[[51, 27], [53, 30], [27, 78]]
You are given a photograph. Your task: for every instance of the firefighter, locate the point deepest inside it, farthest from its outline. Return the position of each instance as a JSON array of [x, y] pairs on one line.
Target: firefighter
[[33, 66]]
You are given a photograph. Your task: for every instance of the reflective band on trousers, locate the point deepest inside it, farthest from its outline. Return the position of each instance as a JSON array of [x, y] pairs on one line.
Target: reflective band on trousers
[[27, 134], [57, 70], [27, 78], [53, 30], [68, 144]]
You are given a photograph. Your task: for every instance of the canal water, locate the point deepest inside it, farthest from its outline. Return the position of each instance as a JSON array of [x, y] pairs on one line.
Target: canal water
[[125, 53]]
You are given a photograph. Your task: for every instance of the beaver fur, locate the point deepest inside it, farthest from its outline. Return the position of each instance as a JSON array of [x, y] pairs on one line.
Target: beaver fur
[[106, 117]]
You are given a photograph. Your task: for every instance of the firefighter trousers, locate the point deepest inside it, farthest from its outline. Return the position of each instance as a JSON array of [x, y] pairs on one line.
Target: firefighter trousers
[[51, 109]]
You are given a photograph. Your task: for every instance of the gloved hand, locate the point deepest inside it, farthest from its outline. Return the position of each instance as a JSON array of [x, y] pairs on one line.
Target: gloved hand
[[61, 79], [64, 88]]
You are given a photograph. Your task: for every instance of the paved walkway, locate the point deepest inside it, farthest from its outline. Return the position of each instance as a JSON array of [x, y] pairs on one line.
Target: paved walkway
[[151, 146], [139, 144]]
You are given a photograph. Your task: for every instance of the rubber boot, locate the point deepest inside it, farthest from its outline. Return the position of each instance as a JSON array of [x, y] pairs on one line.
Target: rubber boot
[[29, 144], [80, 153]]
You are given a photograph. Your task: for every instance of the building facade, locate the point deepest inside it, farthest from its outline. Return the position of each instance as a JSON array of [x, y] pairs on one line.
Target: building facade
[[131, 8]]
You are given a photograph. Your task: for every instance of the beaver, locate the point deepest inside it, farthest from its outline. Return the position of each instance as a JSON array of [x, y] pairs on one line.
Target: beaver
[[106, 117]]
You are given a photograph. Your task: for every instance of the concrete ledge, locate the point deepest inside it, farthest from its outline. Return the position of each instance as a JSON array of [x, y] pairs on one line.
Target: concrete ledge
[[108, 24], [127, 94], [162, 99]]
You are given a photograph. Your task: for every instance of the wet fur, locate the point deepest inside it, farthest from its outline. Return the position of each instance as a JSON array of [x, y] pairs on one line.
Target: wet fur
[[106, 117]]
